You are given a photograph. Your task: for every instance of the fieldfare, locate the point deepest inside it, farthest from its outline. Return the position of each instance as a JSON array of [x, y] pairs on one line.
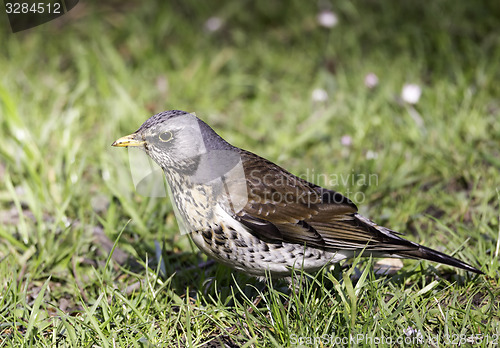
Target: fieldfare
[[254, 216]]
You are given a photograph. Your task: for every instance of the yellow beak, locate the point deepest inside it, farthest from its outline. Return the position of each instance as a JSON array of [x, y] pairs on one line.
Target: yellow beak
[[128, 140]]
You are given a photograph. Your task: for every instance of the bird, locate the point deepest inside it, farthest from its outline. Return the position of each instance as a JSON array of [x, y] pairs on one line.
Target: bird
[[252, 215]]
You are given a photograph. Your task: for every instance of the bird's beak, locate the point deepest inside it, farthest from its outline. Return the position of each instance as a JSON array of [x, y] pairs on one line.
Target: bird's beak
[[129, 140]]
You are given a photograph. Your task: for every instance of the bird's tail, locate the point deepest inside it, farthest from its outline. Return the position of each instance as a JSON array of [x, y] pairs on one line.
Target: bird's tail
[[434, 255], [395, 245]]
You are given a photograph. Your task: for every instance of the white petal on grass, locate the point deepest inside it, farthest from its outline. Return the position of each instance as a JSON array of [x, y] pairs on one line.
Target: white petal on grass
[[319, 95], [411, 93], [213, 24], [106, 175], [20, 134], [346, 140], [371, 154], [327, 19], [371, 80], [388, 266], [66, 221], [414, 332]]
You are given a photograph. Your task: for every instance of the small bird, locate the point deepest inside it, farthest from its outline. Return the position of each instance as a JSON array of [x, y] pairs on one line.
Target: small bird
[[254, 216]]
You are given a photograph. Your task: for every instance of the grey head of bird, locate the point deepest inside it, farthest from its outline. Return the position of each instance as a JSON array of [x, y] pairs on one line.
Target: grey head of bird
[[181, 143]]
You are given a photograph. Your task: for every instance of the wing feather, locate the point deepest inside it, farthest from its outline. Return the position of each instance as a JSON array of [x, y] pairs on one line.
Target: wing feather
[[284, 208]]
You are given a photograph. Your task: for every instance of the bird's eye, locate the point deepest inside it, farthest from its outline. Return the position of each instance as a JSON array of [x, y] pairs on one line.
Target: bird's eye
[[165, 136]]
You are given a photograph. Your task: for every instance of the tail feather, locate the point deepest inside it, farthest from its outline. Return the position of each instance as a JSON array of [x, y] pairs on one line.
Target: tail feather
[[434, 255], [389, 239]]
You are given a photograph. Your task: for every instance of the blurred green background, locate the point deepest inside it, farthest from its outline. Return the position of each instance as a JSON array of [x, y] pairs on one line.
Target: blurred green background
[[274, 78]]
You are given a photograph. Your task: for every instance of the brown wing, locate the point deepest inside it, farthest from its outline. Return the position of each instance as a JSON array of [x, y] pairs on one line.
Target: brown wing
[[283, 207]]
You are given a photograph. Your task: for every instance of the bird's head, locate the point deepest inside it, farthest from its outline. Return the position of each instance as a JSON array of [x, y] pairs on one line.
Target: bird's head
[[175, 140]]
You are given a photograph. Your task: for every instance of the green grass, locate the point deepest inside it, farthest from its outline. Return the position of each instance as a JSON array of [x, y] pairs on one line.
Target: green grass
[[69, 88]]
